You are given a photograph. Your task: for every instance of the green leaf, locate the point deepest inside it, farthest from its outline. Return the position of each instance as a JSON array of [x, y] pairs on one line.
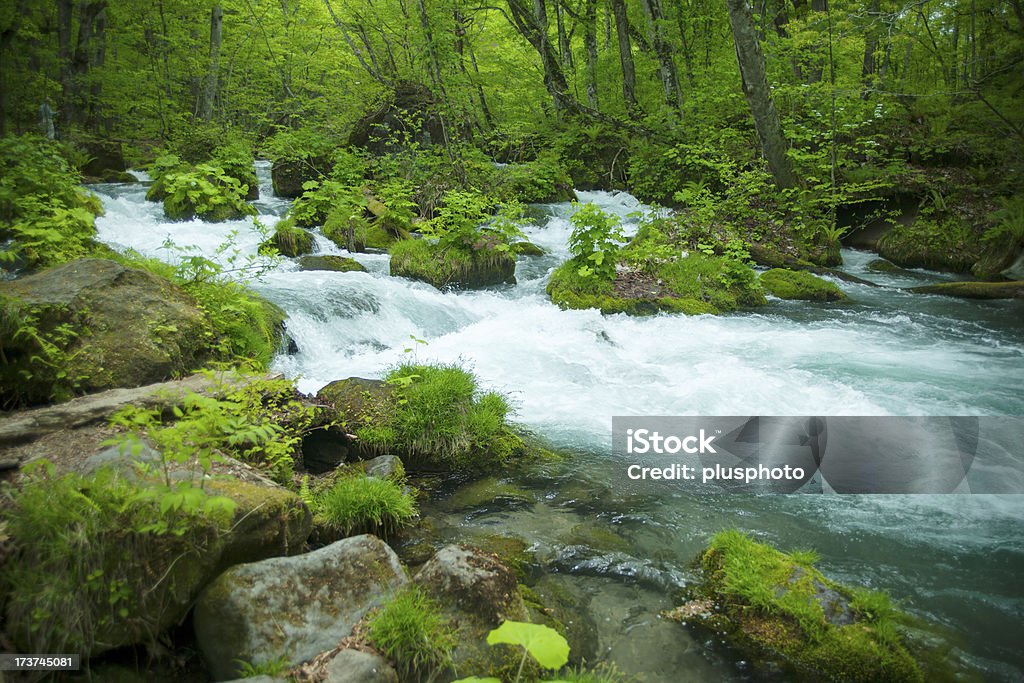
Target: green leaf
[[544, 644]]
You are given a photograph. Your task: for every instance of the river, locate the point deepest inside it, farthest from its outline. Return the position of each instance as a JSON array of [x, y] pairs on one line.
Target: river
[[957, 560]]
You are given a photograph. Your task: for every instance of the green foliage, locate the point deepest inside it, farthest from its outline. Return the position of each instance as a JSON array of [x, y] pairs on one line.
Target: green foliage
[[259, 421], [320, 198], [299, 144], [544, 644], [206, 191], [47, 217], [798, 284], [1009, 221], [97, 557], [943, 243], [275, 668], [360, 504], [412, 632], [594, 243], [542, 180], [439, 418]]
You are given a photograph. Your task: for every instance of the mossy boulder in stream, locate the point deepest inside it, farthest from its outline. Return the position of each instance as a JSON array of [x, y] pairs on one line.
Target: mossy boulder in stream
[[331, 262], [289, 239], [799, 285], [975, 290], [777, 606], [453, 267]]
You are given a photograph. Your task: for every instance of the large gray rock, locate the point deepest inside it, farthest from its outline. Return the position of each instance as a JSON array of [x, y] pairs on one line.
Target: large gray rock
[[477, 592], [293, 607], [356, 666], [121, 327]]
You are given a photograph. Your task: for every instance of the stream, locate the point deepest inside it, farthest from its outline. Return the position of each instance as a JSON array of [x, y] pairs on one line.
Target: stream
[[956, 560]]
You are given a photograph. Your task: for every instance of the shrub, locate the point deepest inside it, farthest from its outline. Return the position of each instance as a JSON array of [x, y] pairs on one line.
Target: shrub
[[413, 633], [206, 191], [46, 215], [594, 243], [97, 559], [361, 504]]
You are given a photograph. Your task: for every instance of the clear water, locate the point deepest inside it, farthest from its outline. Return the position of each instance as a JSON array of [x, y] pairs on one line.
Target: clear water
[[957, 560]]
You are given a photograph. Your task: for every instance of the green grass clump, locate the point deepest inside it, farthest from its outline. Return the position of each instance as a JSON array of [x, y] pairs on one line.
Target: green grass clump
[[797, 284], [776, 603], [439, 418], [361, 504], [413, 633], [448, 266], [939, 243], [97, 561]]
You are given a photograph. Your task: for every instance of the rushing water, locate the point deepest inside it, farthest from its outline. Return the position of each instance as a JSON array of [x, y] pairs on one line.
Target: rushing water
[[956, 560]]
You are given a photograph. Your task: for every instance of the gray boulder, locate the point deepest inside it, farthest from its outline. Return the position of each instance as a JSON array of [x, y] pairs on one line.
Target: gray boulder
[[356, 666], [293, 607]]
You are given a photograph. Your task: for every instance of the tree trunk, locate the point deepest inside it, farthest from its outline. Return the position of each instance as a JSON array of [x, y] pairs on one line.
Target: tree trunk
[[867, 71], [533, 26], [590, 44], [662, 48], [625, 56], [206, 106], [755, 87]]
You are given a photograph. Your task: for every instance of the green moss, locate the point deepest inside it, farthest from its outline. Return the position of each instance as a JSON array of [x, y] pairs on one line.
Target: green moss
[[797, 284], [356, 233], [413, 633], [526, 248], [780, 605], [948, 243], [290, 240], [975, 290], [444, 267], [331, 262]]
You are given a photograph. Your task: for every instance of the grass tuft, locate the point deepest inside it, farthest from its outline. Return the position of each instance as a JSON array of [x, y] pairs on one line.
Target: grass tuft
[[413, 633]]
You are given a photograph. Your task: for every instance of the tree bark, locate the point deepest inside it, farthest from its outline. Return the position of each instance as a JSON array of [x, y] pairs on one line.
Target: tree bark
[[532, 25], [212, 77], [755, 88], [590, 44], [625, 56], [868, 68], [666, 63]]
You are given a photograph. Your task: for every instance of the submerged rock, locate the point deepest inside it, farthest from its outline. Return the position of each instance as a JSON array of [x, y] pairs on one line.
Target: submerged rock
[[293, 608], [799, 285], [331, 262], [779, 608], [975, 290]]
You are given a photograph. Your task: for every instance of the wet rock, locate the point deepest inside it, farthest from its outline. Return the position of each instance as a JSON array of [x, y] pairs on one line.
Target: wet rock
[[528, 249], [409, 116], [288, 175], [324, 450], [487, 494], [295, 607], [290, 240], [880, 265], [799, 285], [975, 290], [331, 262], [385, 467], [485, 266], [584, 561], [477, 592], [356, 666]]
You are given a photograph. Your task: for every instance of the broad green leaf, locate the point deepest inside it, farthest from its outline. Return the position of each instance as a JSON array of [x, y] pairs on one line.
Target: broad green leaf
[[545, 644]]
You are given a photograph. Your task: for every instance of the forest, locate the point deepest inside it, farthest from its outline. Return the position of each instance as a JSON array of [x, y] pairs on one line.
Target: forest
[[318, 312]]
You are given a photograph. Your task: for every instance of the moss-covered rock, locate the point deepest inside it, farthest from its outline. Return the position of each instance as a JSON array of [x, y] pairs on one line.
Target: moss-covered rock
[[288, 175], [799, 285], [880, 265], [779, 607], [331, 262], [975, 290], [96, 324], [947, 244], [695, 284], [290, 240], [526, 248], [452, 267], [360, 234]]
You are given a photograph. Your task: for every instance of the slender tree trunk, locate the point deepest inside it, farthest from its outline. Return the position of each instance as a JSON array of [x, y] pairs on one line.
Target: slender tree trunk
[[210, 88], [868, 68], [533, 26], [564, 49], [663, 49], [755, 87], [460, 50], [625, 56], [590, 44]]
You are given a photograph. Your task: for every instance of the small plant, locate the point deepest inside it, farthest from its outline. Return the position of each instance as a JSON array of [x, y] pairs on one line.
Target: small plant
[[362, 504], [206, 191], [275, 668], [413, 633], [548, 648], [594, 243]]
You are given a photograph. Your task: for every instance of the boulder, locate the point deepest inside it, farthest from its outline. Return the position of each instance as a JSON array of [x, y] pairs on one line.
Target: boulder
[[115, 327], [526, 248], [332, 262], [385, 467], [800, 285], [975, 290], [356, 666], [778, 609], [408, 117], [106, 159], [288, 175], [450, 267], [290, 240], [478, 593], [293, 608]]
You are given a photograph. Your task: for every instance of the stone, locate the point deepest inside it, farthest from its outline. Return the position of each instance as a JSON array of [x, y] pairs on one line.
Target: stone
[[975, 290], [526, 248], [293, 607], [125, 327], [356, 666], [441, 267], [385, 467], [799, 285], [288, 175], [331, 262]]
